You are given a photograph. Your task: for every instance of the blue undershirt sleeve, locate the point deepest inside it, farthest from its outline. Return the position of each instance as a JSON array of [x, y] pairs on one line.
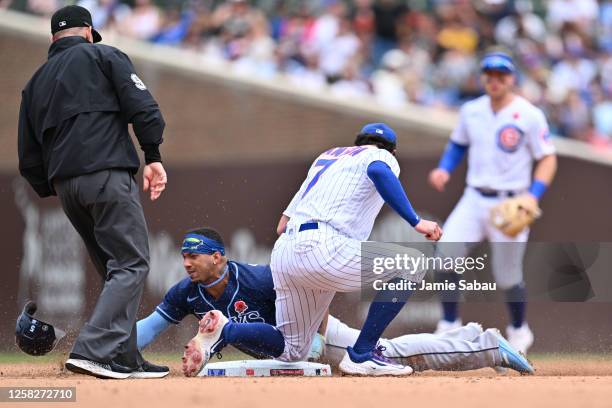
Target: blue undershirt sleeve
[[149, 328], [389, 187], [452, 156]]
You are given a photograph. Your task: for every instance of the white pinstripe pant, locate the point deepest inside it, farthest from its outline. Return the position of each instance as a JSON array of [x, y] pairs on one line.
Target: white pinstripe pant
[[469, 223], [308, 268]]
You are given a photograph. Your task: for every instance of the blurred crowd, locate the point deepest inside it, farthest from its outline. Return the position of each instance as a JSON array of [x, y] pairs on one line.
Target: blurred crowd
[[420, 51]]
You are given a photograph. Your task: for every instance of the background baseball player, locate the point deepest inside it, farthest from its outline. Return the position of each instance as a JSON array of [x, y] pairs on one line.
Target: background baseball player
[[245, 294], [503, 135]]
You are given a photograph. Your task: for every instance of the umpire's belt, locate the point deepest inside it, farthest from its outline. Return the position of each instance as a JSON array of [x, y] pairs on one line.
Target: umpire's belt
[[308, 226], [490, 193]]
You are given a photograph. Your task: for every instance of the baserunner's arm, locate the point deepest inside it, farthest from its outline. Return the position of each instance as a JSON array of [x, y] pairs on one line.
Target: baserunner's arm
[[149, 328]]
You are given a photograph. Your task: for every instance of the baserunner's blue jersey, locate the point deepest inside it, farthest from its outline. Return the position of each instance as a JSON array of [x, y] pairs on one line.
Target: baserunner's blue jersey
[[248, 297]]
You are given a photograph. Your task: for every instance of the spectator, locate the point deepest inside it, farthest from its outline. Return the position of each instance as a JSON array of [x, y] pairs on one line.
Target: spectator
[[574, 73], [454, 35], [257, 56], [307, 75], [105, 12], [388, 15], [583, 13], [43, 7], [326, 26], [605, 23], [350, 85], [339, 51], [575, 117], [388, 81], [363, 19], [293, 39], [143, 22], [175, 27], [602, 117], [522, 25]]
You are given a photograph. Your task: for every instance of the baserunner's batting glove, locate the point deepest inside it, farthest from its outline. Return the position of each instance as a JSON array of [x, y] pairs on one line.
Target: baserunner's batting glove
[[317, 349]]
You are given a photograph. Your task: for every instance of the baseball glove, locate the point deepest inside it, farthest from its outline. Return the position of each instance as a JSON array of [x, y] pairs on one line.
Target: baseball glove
[[513, 215]]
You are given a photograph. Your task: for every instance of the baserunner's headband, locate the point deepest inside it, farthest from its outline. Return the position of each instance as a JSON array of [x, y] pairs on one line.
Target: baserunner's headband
[[199, 244]]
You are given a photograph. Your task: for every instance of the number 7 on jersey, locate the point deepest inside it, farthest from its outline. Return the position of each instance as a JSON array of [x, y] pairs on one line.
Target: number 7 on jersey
[[324, 164]]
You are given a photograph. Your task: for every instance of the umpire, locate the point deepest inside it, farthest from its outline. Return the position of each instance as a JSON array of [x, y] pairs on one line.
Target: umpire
[[74, 143]]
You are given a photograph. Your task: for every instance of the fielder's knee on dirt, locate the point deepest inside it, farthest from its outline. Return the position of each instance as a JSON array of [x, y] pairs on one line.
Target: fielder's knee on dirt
[[294, 352]]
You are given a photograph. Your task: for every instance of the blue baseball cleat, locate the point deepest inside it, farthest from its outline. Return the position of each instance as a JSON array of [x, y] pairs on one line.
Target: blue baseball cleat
[[510, 358]]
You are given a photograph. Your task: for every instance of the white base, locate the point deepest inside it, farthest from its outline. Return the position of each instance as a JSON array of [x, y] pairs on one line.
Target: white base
[[265, 368]]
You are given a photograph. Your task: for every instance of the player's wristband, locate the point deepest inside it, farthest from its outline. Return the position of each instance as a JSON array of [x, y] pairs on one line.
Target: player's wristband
[[538, 188]]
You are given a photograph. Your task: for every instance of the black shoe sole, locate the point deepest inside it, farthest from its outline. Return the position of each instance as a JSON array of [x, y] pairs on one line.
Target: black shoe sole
[[80, 370]]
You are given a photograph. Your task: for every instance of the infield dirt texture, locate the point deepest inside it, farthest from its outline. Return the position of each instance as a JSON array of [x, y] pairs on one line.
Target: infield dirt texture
[[561, 381]]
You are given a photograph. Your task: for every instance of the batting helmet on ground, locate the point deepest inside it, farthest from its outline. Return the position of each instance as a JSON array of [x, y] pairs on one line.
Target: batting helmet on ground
[[33, 336]]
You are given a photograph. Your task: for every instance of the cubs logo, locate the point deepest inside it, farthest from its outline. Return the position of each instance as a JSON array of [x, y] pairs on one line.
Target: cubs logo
[[509, 138]]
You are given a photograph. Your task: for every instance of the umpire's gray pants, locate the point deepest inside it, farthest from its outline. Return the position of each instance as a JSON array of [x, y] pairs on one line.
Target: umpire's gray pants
[[105, 209]]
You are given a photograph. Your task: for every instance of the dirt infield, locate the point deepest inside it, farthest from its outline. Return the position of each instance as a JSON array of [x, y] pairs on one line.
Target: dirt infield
[[559, 382]]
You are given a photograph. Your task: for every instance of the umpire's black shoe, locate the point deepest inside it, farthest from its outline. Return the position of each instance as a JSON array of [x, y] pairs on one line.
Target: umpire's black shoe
[[82, 365], [149, 370]]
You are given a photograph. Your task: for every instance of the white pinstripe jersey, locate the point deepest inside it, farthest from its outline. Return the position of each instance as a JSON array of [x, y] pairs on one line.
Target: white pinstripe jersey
[[337, 191]]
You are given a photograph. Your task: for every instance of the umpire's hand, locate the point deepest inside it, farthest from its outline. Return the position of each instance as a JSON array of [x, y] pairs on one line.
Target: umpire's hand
[[154, 178]]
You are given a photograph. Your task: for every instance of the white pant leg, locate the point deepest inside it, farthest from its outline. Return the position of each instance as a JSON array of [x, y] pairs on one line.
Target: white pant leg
[[466, 222], [467, 332], [470, 222], [465, 348], [427, 351], [338, 336], [507, 253], [299, 309], [464, 227]]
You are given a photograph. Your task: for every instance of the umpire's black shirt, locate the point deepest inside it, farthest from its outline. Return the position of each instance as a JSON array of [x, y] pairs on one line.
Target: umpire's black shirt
[[75, 112]]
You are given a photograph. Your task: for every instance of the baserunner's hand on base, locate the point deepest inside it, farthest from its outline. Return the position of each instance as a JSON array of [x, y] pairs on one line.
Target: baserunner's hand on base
[[430, 229], [154, 178]]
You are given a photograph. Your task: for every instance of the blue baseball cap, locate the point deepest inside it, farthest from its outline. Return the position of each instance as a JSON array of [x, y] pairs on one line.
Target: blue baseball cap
[[380, 129], [498, 61]]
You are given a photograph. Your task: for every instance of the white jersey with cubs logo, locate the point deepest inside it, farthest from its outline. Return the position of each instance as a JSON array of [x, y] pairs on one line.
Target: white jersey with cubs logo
[[337, 191], [502, 145]]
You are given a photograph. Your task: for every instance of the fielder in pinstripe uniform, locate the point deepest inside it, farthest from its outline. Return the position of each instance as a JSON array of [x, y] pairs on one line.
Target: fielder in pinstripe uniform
[[319, 251]]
